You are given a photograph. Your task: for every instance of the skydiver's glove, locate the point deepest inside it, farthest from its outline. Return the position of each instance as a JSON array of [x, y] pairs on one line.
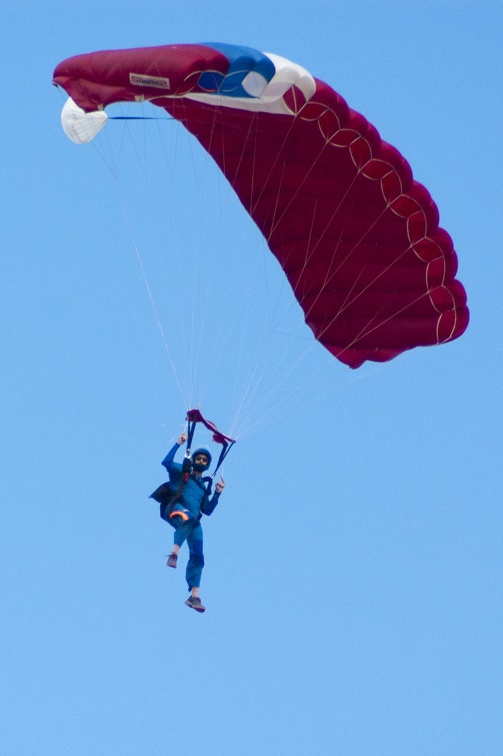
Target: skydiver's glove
[[186, 466]]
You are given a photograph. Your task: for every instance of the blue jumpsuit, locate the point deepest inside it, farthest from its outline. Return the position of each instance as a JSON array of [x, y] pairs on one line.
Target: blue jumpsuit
[[186, 516]]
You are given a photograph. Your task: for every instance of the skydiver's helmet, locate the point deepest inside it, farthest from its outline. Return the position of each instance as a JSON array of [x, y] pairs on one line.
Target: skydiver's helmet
[[201, 450]]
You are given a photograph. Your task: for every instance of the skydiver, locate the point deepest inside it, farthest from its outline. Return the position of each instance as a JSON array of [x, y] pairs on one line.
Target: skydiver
[[190, 502]]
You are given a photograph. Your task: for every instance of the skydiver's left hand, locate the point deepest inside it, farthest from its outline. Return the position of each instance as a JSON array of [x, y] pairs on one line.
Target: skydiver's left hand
[[220, 486]]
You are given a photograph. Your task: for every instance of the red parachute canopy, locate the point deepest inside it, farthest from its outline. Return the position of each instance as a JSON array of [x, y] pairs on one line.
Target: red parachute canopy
[[356, 235]]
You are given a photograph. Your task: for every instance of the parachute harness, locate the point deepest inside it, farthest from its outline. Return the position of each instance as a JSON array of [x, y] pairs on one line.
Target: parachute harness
[[164, 495]]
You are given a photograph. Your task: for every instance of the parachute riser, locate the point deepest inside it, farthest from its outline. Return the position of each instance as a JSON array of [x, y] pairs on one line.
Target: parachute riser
[[193, 417]]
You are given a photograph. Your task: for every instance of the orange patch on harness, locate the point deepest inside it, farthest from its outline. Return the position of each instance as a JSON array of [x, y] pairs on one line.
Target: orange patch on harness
[[180, 514]]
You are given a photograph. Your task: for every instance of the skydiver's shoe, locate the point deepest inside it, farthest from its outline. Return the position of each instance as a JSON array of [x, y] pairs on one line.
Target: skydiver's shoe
[[195, 603], [172, 558]]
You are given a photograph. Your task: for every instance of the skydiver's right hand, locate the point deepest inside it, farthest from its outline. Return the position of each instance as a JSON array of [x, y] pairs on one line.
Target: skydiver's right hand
[[182, 439]]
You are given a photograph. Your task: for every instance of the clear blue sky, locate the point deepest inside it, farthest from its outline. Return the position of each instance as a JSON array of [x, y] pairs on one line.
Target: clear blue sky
[[354, 565]]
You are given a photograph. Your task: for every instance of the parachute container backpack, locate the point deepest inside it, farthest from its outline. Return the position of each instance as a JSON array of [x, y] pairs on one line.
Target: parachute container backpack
[[357, 237]]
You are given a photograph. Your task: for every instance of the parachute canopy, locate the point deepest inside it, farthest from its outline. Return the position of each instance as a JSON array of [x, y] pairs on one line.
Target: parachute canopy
[[357, 237]]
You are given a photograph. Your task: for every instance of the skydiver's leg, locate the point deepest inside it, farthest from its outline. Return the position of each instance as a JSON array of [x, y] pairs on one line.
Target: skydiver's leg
[[181, 534], [182, 531], [196, 558]]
